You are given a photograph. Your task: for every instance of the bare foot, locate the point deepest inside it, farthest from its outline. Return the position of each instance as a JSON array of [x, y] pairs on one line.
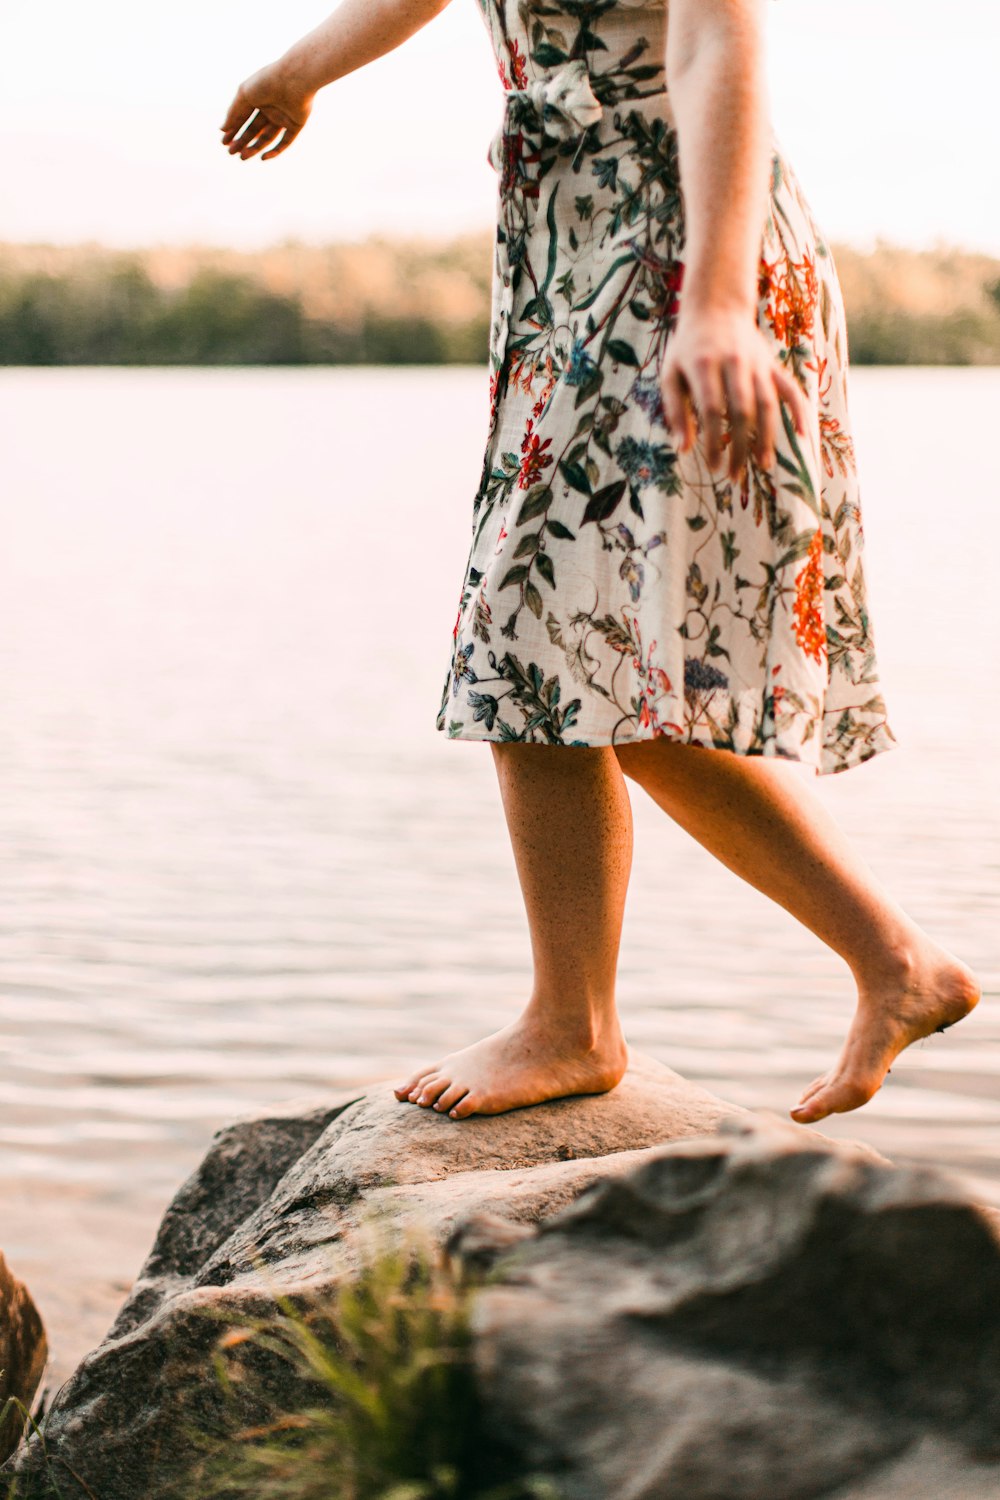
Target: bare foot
[[524, 1063], [930, 992]]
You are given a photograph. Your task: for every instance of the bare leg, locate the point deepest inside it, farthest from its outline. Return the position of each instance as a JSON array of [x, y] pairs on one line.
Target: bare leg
[[570, 824], [762, 819]]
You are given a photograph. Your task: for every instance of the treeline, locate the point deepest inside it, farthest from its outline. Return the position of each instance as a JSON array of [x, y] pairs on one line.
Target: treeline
[[384, 301]]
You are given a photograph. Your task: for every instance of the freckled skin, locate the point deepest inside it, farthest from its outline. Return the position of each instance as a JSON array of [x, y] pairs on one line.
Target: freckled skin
[[569, 819]]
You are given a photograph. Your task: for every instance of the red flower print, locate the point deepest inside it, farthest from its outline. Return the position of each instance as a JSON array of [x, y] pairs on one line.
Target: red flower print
[[810, 628], [672, 284], [790, 297], [518, 65], [836, 445], [547, 388], [534, 459]]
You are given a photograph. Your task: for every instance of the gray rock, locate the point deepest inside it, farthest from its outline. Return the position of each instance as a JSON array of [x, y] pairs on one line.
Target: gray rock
[[23, 1353], [282, 1206], [749, 1317], [684, 1300]]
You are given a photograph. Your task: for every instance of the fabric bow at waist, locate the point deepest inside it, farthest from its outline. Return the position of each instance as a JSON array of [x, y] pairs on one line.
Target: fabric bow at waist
[[564, 104]]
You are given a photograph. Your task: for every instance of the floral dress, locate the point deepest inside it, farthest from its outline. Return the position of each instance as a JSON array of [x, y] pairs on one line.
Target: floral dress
[[617, 590]]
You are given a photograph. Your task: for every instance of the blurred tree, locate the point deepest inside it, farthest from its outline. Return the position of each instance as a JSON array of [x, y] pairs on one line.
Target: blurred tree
[[384, 301]]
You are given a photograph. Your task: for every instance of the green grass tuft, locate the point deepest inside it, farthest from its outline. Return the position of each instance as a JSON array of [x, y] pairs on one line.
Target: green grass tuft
[[384, 1404]]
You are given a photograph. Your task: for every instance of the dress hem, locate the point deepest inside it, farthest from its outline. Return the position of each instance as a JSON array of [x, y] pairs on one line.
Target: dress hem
[[886, 742]]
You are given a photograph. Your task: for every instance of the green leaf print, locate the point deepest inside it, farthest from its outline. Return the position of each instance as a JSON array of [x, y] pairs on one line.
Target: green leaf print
[[615, 267], [536, 500], [575, 477], [623, 352], [799, 548], [604, 503], [544, 564], [514, 575], [550, 219], [805, 489]]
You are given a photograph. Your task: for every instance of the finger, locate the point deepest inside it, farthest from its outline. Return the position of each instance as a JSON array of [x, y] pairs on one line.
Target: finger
[[740, 405], [248, 132], [791, 393], [291, 131], [709, 397], [237, 114], [767, 421], [689, 421], [256, 134], [673, 395], [266, 136]]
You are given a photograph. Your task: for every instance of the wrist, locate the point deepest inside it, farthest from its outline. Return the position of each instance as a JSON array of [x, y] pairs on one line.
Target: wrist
[[727, 301], [297, 68]]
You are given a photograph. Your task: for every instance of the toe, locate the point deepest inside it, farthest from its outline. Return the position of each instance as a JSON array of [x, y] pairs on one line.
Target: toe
[[806, 1114], [836, 1099], [466, 1106], [424, 1078], [811, 1092], [403, 1090], [432, 1089], [850, 1096], [810, 1107], [451, 1095]]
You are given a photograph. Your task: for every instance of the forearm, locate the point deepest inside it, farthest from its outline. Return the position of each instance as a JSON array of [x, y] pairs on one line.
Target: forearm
[[716, 77], [356, 33]]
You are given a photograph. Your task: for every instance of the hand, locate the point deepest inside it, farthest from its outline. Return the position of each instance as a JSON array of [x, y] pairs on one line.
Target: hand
[[271, 101], [720, 362]]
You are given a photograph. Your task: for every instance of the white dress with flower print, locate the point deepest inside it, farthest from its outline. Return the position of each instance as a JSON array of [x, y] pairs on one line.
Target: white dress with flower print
[[617, 590]]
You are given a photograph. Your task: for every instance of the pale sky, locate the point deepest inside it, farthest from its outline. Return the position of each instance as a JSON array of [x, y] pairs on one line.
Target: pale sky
[[109, 114]]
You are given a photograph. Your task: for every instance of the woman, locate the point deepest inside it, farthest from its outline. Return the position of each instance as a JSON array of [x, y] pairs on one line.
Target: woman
[[666, 554]]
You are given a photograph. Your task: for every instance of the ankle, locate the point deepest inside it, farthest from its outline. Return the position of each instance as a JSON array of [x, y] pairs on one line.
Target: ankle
[[590, 1026], [892, 966]]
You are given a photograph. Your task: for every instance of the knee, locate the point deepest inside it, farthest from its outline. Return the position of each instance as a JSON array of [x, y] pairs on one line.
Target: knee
[[631, 759]]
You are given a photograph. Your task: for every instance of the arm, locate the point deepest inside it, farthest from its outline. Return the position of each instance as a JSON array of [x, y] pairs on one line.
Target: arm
[[280, 96], [717, 356]]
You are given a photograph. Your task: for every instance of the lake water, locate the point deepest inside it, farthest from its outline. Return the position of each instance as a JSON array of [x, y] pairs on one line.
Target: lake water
[[238, 864]]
